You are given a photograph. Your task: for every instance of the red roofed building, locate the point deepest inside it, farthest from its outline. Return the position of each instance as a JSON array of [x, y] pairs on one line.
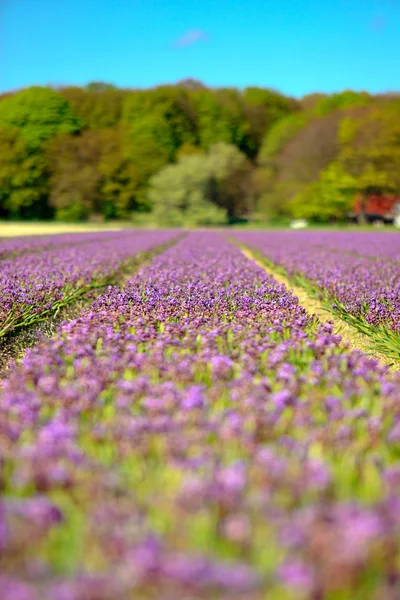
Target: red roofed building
[[376, 208]]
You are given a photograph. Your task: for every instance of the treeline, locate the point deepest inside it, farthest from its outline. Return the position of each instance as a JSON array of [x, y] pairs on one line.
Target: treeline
[[314, 163], [186, 154]]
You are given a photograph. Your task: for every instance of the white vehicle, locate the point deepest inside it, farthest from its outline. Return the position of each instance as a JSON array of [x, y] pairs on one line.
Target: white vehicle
[[299, 224]]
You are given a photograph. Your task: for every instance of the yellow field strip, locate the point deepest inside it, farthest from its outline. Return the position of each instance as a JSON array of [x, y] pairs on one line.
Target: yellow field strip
[[352, 339], [21, 229]]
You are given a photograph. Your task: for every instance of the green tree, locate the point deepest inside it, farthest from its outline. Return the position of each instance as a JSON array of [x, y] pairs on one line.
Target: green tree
[[120, 186], [328, 199], [157, 123], [90, 176], [98, 106], [233, 107], [23, 178], [262, 109], [100, 86], [220, 118], [39, 114], [340, 101], [146, 146], [165, 115]]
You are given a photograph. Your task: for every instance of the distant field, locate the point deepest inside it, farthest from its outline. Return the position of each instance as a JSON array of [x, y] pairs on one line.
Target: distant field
[[14, 229]]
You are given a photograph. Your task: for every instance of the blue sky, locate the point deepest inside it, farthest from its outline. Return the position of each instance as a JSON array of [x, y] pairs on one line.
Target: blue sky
[[296, 46]]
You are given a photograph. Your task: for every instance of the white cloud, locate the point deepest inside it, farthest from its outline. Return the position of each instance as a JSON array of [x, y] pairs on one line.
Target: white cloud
[[191, 37]]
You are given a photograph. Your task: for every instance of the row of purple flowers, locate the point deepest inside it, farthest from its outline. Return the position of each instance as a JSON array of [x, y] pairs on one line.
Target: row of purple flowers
[[35, 285], [360, 283]]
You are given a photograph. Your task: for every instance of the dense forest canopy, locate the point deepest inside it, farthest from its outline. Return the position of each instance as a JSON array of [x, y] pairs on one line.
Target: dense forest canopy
[[189, 154]]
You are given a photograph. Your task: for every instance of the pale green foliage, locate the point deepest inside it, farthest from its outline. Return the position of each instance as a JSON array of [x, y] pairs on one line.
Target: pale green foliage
[[182, 194], [224, 158], [203, 189]]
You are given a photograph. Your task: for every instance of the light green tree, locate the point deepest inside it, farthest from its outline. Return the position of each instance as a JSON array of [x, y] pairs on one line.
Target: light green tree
[[39, 114], [203, 189], [328, 199], [183, 194]]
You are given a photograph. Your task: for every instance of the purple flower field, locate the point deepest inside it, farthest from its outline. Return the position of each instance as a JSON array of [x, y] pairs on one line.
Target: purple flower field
[[27, 244], [34, 285], [358, 274], [195, 434]]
